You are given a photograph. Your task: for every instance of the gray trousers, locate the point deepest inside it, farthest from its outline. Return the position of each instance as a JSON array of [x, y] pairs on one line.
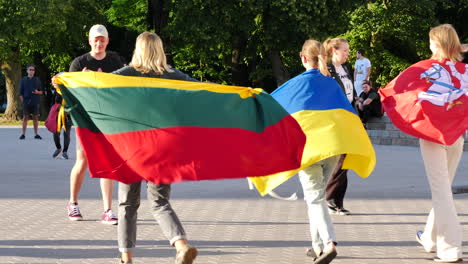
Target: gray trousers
[[314, 181], [129, 201]]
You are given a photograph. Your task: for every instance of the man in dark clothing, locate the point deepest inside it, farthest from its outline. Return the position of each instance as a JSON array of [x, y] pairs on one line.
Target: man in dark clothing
[[30, 94], [368, 103]]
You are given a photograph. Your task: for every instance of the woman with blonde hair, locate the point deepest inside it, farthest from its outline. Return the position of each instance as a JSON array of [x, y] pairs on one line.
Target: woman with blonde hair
[[443, 232], [306, 87], [149, 60], [337, 50]]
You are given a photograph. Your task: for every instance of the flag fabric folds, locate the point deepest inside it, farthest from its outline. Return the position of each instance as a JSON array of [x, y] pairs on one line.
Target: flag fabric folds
[[165, 131], [330, 123], [429, 100]]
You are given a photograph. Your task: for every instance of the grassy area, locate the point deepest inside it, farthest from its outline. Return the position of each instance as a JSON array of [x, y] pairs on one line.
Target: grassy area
[[16, 123]]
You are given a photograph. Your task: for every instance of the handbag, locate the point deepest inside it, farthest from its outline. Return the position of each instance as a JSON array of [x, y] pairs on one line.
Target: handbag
[[51, 121]]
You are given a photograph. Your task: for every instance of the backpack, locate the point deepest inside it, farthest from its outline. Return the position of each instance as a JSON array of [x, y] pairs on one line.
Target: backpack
[[51, 122]]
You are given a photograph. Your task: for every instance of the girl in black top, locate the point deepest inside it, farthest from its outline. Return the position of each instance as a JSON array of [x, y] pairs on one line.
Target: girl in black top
[[338, 50]]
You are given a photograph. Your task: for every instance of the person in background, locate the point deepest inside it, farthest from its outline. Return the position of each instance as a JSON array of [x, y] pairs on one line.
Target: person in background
[[443, 233], [362, 70], [368, 103], [30, 95], [66, 132], [98, 59], [149, 60], [337, 50]]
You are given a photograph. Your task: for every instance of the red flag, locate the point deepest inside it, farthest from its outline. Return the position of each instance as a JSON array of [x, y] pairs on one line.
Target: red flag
[[429, 100]]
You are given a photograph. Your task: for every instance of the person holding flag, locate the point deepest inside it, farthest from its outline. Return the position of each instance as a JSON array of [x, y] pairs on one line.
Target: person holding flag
[[149, 60], [429, 100], [315, 177], [316, 101]]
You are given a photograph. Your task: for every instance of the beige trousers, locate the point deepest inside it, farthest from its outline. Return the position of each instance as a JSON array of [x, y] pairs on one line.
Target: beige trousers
[[443, 232]]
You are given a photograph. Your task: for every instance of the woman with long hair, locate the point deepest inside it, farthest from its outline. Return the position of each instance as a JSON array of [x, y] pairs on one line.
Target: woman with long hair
[[443, 232], [149, 60], [307, 87], [337, 50]]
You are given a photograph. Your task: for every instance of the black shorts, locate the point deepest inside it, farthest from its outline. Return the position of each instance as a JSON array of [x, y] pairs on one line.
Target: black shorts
[[30, 109]]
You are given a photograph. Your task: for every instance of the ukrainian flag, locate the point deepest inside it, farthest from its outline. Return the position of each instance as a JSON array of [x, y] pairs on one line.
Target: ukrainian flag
[[330, 123]]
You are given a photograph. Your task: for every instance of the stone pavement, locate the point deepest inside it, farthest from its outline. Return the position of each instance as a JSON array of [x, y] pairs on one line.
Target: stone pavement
[[227, 222]]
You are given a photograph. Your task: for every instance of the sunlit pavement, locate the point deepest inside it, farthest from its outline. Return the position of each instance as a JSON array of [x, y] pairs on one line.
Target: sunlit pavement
[[225, 220]]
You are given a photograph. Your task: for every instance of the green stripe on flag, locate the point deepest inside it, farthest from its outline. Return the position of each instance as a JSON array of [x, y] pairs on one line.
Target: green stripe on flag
[[125, 109]]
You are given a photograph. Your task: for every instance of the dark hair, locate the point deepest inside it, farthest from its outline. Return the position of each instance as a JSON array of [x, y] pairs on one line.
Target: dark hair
[[361, 51], [367, 82], [31, 65]]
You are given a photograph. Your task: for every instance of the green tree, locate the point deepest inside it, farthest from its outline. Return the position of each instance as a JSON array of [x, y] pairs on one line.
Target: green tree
[[50, 28], [249, 41], [394, 34]]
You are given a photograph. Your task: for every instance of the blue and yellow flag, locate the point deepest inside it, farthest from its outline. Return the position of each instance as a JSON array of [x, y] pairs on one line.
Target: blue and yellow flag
[[330, 123]]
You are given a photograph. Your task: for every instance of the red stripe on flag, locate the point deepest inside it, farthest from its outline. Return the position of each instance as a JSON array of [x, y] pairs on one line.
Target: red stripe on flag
[[175, 154]]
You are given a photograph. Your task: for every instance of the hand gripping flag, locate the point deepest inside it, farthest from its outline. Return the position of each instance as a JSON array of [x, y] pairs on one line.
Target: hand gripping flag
[[330, 123], [165, 131], [429, 100]]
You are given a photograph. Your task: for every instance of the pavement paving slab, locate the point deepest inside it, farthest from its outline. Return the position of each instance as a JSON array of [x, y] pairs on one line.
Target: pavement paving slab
[[225, 220]]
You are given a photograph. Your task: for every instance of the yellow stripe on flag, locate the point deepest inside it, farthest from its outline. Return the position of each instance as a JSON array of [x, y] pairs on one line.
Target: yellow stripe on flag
[[329, 133]]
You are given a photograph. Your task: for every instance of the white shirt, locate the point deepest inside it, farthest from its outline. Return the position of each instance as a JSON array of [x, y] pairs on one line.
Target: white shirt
[[361, 67], [346, 80]]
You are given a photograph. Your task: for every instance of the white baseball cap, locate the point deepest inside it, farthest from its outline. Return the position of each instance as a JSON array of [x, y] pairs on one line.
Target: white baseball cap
[[98, 31]]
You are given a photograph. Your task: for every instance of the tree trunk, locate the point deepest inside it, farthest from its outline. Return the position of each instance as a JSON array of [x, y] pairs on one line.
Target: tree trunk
[[157, 19], [280, 72], [239, 70], [11, 69], [157, 16]]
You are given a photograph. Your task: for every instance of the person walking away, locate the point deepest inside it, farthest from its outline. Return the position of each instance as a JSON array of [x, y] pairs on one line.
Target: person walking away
[[315, 177], [149, 60], [443, 232]]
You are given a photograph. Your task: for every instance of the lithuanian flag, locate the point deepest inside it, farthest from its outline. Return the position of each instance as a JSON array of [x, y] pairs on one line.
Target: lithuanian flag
[[165, 131], [330, 123]]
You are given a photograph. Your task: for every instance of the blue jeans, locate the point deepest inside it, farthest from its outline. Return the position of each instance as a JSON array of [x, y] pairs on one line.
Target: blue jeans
[[129, 201], [314, 181]]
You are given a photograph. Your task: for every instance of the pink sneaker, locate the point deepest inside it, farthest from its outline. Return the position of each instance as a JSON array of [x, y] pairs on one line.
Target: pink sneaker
[[74, 212], [109, 218]]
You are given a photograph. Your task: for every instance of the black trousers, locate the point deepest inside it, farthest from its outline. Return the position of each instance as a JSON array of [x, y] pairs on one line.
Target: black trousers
[[368, 112], [66, 137], [337, 185]]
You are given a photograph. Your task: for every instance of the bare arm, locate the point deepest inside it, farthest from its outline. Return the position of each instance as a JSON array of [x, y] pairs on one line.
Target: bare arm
[[367, 101]]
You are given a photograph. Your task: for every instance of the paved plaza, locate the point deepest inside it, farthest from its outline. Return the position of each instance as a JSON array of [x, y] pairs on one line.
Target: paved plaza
[[225, 220]]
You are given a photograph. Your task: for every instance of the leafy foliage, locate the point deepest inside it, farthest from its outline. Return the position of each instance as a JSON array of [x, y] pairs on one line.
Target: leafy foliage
[[394, 34]]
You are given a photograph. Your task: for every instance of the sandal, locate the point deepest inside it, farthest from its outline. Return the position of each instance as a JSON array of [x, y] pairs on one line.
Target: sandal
[[186, 255], [326, 257]]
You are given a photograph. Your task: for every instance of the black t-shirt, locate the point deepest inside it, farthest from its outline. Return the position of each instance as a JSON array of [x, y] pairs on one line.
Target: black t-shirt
[[375, 105], [110, 63]]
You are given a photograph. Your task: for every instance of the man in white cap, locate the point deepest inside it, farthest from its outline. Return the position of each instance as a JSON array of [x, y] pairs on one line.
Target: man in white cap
[[98, 59]]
